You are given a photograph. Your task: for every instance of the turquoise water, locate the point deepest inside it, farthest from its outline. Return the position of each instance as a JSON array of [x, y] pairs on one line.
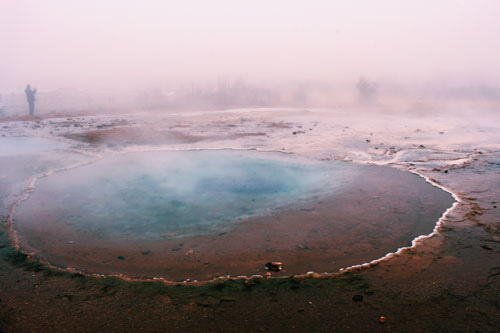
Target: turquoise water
[[177, 193], [15, 146]]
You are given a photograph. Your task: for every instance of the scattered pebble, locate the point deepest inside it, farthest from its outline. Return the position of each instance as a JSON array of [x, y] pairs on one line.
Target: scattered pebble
[[382, 320], [275, 266]]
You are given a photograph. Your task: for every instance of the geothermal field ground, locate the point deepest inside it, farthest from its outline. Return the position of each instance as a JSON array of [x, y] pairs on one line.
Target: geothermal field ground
[[379, 220]]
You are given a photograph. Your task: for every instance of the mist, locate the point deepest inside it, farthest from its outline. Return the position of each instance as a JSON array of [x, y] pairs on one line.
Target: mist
[[132, 46]]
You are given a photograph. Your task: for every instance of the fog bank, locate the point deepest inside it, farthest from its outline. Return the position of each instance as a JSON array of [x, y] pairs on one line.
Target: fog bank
[[132, 45]]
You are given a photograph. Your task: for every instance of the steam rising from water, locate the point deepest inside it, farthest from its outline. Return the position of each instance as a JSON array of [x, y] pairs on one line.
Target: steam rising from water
[[15, 146], [149, 195]]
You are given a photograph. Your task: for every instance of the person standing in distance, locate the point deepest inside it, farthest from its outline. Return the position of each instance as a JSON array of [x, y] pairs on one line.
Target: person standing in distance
[[30, 96]]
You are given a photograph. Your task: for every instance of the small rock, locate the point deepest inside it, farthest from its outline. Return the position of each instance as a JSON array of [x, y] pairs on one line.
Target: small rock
[[120, 258], [145, 252], [190, 252], [487, 247], [274, 266], [71, 242], [268, 274], [357, 298], [382, 320]]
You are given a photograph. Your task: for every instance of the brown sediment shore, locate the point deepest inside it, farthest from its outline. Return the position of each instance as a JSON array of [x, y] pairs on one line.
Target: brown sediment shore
[[130, 135], [449, 282], [149, 136]]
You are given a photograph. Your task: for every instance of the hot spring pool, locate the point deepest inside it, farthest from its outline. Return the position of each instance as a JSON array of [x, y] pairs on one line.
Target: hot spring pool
[[20, 145], [201, 214]]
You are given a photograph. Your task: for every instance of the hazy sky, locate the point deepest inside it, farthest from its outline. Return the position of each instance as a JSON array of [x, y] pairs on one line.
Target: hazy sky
[[132, 43]]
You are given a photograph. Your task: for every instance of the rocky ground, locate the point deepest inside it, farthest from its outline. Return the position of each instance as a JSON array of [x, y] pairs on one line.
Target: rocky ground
[[447, 282]]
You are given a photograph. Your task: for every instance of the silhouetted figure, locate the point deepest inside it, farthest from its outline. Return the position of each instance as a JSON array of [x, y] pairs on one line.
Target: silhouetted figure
[[30, 96]]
